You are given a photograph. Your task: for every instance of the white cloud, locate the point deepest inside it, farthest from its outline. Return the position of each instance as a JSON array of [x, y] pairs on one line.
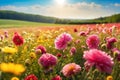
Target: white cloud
[[78, 10], [117, 4]]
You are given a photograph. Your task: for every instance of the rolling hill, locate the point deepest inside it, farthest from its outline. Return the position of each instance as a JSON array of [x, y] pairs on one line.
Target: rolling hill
[[5, 14]]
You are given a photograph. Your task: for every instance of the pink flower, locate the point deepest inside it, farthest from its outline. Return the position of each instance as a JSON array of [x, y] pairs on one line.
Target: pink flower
[[62, 40], [92, 41], [18, 39], [47, 60], [100, 59], [110, 42], [73, 50], [57, 78], [42, 48], [31, 77], [71, 69]]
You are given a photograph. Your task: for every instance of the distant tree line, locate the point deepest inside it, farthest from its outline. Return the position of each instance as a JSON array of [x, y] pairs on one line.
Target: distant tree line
[[26, 17], [5, 14]]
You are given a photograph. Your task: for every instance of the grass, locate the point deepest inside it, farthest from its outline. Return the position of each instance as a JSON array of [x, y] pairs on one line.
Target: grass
[[6, 23]]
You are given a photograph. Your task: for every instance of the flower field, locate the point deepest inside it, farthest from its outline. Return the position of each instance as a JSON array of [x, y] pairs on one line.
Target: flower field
[[81, 52]]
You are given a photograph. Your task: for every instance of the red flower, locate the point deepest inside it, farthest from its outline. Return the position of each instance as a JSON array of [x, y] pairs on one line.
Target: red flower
[[31, 77], [42, 48], [18, 39], [58, 54], [57, 78], [75, 30]]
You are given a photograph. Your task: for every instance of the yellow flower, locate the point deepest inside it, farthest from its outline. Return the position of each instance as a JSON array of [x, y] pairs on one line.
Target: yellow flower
[[9, 50], [109, 78], [32, 55], [14, 78], [16, 69]]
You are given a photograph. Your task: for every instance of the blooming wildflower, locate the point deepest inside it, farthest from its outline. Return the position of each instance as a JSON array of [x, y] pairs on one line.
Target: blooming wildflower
[[31, 77], [27, 62], [92, 41], [100, 59], [9, 50], [57, 78], [14, 78], [32, 55], [1, 37], [6, 34], [82, 33], [38, 51], [109, 78], [62, 40], [73, 50], [16, 69], [47, 60], [42, 48], [70, 69], [75, 30], [110, 42], [18, 39], [58, 54]]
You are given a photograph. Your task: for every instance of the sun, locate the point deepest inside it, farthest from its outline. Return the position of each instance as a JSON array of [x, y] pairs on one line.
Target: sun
[[60, 2]]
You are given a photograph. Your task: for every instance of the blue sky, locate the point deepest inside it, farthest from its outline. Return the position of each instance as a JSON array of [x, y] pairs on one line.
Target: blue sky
[[47, 2], [81, 9]]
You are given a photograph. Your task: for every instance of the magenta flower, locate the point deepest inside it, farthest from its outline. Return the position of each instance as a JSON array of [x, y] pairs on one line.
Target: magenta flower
[[57, 78], [100, 59], [110, 42], [47, 60], [71, 69], [92, 41], [82, 33], [73, 50], [42, 48], [62, 40]]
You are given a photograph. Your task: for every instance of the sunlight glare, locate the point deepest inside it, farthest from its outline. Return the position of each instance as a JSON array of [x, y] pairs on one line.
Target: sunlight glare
[[60, 2]]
